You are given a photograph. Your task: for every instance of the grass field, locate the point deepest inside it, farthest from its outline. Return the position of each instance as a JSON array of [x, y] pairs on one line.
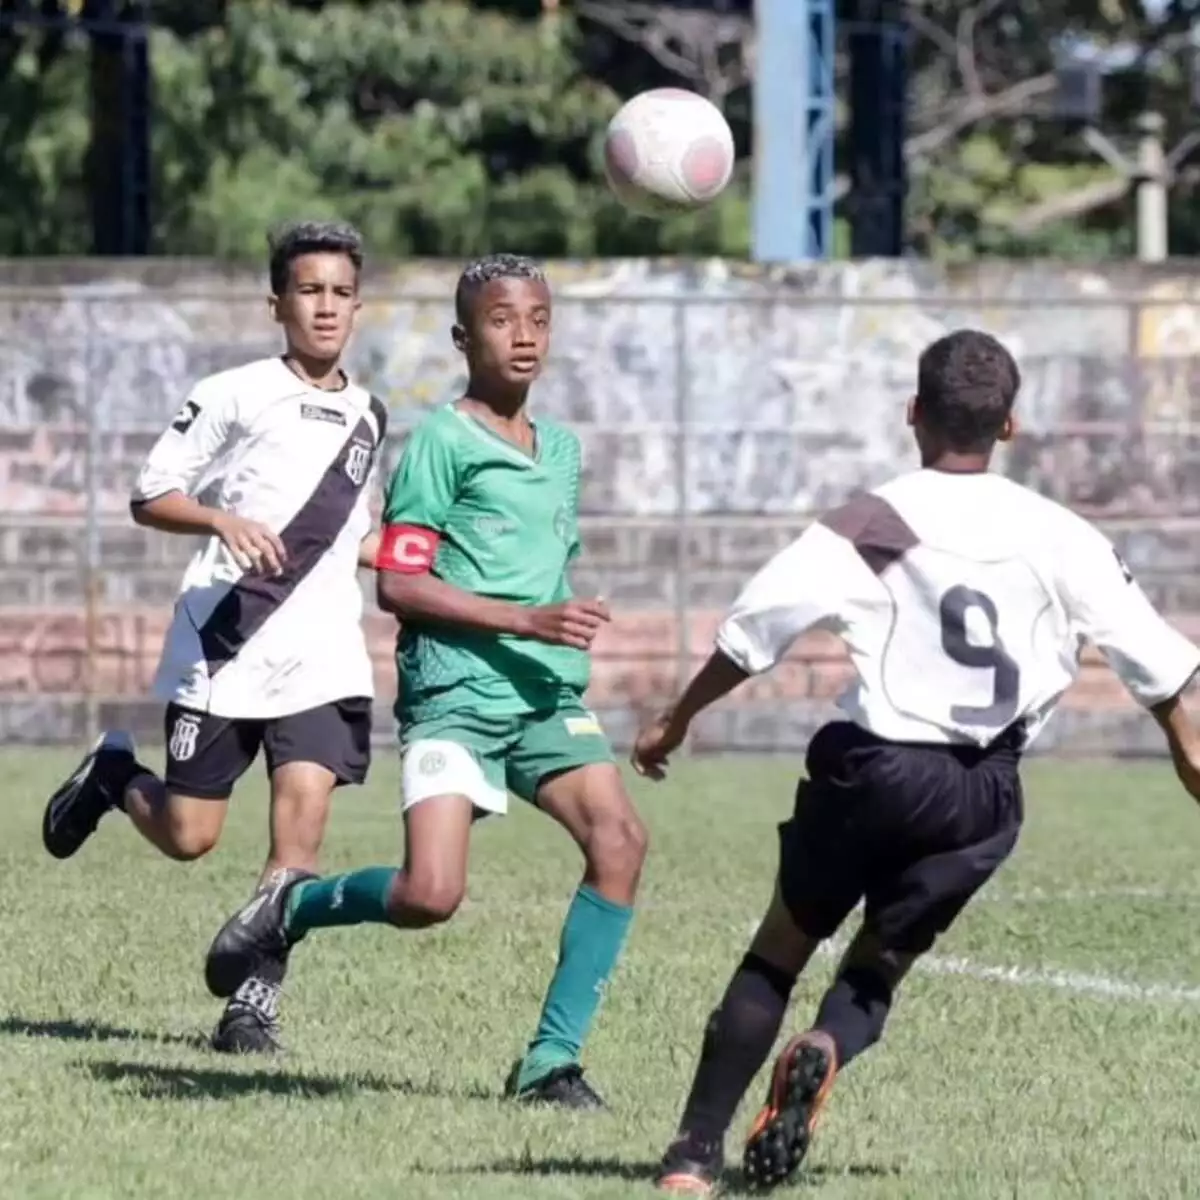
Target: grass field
[[1049, 1050]]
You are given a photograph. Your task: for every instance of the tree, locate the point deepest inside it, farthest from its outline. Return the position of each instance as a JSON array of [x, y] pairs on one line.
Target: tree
[[448, 128]]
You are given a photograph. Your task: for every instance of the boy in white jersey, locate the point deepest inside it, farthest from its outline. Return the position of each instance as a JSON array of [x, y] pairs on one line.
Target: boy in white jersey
[[963, 599], [266, 648]]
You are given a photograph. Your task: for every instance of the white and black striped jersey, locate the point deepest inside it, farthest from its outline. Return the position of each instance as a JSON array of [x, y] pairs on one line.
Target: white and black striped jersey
[[261, 443], [964, 600]]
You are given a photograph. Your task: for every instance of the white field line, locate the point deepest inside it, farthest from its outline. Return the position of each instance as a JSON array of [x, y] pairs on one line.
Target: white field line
[[1079, 983], [1036, 895]]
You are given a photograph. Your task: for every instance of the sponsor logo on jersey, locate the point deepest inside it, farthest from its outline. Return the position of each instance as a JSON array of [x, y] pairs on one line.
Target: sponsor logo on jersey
[[317, 412], [492, 526]]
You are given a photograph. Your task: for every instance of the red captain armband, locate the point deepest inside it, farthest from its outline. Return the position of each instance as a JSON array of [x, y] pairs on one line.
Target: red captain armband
[[407, 549]]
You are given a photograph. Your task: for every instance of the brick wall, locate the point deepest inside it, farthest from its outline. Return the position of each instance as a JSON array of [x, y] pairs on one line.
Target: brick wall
[[720, 409]]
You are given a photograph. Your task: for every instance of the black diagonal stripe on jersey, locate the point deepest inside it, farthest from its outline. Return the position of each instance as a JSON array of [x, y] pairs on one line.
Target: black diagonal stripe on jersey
[[875, 529], [245, 608]]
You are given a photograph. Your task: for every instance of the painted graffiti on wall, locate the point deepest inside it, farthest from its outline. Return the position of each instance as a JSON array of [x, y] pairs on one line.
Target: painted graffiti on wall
[[746, 399]]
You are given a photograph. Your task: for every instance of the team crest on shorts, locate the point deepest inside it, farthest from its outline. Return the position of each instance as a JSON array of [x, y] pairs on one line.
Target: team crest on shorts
[[184, 733], [432, 762]]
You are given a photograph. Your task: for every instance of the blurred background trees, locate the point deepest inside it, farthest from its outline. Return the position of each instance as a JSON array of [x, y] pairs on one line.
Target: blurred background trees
[[447, 128]]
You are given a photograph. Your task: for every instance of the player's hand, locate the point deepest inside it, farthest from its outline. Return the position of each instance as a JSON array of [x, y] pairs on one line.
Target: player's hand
[[657, 740], [572, 623], [254, 547]]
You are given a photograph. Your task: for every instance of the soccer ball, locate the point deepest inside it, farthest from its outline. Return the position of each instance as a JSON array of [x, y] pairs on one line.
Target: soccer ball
[[667, 149]]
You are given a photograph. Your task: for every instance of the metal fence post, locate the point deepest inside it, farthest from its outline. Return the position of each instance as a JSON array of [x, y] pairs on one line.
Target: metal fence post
[[683, 632], [91, 534]]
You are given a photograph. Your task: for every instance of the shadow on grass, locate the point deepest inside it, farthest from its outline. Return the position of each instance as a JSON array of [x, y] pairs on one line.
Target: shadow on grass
[[94, 1031], [596, 1168], [642, 1172], [154, 1082]]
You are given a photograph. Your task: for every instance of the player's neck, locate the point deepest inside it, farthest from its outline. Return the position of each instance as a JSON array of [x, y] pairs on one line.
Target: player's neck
[[505, 405], [953, 463], [323, 373]]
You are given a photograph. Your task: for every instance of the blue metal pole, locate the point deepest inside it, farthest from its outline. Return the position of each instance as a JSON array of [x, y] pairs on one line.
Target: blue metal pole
[[793, 130]]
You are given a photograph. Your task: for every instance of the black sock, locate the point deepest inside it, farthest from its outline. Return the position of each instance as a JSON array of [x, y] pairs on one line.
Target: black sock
[[737, 1040], [854, 1010], [116, 771]]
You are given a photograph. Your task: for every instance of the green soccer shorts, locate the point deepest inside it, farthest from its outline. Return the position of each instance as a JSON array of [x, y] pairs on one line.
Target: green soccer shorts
[[485, 757]]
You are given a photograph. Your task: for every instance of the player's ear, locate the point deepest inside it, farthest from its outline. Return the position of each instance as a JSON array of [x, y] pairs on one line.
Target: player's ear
[[458, 335], [273, 309], [1008, 430], [910, 411]]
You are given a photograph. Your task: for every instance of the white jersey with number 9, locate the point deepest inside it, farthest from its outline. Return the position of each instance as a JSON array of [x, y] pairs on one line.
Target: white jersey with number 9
[[964, 600]]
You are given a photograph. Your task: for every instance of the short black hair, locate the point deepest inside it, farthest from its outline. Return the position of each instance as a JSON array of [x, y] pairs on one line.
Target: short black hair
[[298, 238], [967, 383], [478, 274]]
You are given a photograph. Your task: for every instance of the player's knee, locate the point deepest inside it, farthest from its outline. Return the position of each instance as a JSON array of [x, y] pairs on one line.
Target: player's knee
[[189, 843], [432, 901], [617, 843]]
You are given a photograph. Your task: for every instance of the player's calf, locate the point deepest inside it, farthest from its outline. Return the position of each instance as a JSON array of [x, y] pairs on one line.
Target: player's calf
[[590, 801]]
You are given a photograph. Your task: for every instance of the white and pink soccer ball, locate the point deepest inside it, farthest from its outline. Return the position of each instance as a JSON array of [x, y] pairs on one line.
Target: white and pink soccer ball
[[668, 149]]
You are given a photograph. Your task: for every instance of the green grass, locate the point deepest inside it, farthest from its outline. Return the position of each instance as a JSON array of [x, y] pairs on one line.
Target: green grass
[[980, 1088]]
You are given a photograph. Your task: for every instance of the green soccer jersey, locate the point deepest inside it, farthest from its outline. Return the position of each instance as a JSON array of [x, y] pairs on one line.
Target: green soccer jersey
[[509, 527]]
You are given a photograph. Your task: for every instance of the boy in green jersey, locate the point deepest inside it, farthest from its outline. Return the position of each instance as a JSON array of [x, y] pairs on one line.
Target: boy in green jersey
[[480, 527]]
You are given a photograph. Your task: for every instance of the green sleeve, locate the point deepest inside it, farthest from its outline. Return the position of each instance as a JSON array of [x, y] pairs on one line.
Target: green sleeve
[[425, 482]]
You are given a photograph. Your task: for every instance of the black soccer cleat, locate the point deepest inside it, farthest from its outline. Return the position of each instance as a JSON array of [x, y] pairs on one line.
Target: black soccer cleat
[[781, 1133], [252, 935], [75, 809], [691, 1167], [250, 1022], [564, 1087]]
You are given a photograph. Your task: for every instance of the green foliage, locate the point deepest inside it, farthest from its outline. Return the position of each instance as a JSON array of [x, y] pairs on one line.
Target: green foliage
[[448, 128]]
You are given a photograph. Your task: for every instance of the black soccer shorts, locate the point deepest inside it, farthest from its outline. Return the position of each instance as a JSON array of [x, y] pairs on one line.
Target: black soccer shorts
[[207, 754], [915, 830]]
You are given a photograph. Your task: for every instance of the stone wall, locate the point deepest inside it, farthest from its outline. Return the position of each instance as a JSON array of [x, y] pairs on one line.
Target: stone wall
[[720, 407]]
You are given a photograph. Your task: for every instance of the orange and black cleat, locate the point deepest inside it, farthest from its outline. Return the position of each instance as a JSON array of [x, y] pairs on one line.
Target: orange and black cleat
[[800, 1085], [691, 1167]]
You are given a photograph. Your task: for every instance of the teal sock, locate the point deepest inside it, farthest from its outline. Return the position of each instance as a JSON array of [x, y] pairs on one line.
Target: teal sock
[[348, 899], [592, 937]]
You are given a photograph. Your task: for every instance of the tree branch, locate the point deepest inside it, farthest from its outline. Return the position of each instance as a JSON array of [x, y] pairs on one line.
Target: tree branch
[[687, 42], [1067, 205], [1011, 102]]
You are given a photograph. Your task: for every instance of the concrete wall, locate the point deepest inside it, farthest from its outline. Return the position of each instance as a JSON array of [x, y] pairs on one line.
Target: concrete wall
[[720, 407]]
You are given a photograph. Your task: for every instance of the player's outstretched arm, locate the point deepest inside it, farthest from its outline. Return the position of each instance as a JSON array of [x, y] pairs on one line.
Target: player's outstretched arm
[[1154, 661], [797, 589], [663, 735], [1183, 739]]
